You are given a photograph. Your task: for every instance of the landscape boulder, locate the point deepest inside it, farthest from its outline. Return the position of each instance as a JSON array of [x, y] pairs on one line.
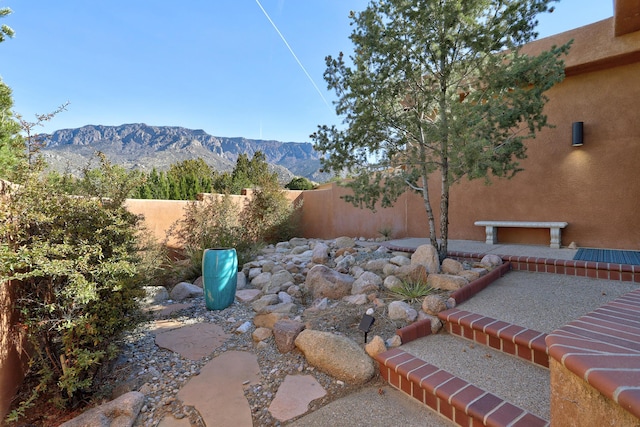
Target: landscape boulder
[[414, 273], [323, 282], [184, 290], [121, 412], [368, 282], [427, 255], [336, 355], [451, 266], [447, 282]]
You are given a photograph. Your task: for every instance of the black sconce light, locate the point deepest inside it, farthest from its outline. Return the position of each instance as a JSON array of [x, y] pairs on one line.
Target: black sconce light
[[577, 134], [366, 322]]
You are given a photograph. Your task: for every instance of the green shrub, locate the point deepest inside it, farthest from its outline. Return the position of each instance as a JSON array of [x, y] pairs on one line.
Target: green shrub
[[212, 223], [267, 217], [299, 183], [77, 265]]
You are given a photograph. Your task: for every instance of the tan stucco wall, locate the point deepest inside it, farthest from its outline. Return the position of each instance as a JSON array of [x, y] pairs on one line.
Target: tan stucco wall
[[595, 188]]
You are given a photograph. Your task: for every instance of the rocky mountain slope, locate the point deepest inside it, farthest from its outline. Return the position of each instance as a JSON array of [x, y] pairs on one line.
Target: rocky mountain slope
[[143, 147]]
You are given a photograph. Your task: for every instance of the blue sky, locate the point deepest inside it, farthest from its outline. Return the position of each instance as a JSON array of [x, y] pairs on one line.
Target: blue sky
[[217, 65]]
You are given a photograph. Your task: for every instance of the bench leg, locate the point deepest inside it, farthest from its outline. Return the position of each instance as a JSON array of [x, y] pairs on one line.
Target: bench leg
[[491, 235], [555, 238]]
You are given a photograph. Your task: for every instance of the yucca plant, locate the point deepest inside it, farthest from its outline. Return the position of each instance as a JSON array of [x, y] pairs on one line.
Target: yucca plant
[[410, 291]]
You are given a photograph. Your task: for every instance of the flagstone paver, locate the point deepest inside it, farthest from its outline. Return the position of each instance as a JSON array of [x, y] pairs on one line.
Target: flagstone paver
[[294, 395], [193, 341], [218, 392]]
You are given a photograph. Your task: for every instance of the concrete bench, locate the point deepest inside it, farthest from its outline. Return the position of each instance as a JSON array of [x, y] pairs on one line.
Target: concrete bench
[[491, 229]]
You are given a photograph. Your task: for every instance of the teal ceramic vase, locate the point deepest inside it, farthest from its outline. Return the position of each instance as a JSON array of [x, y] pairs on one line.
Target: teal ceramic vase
[[220, 277]]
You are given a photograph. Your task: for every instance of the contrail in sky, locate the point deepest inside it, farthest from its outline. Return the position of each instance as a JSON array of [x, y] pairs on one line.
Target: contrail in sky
[[293, 53]]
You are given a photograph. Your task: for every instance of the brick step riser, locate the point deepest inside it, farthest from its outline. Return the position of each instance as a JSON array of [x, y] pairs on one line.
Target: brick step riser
[[517, 341], [451, 397]]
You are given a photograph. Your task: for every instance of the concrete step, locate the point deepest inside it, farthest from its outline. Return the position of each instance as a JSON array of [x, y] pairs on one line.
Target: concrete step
[[469, 384], [516, 340]]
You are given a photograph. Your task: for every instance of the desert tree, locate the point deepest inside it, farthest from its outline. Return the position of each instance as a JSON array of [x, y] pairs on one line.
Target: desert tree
[[436, 90]]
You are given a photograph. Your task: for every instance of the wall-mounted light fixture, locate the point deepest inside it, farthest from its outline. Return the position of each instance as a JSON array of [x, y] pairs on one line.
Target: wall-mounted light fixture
[[577, 135]]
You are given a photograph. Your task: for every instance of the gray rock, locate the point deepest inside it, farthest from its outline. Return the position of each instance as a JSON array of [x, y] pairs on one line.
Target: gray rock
[[400, 260], [389, 269], [376, 265], [300, 250], [357, 299], [284, 297], [368, 282], [415, 273], [336, 355], [261, 280], [184, 290], [400, 310], [491, 260], [427, 255], [242, 281], [254, 272], [121, 412], [283, 307], [265, 301], [394, 342], [199, 282], [155, 295], [392, 282], [282, 279], [298, 241], [324, 282]]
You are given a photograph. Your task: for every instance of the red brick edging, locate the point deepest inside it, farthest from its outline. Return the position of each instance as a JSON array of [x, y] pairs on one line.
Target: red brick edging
[[568, 267], [515, 340], [603, 349], [450, 396]]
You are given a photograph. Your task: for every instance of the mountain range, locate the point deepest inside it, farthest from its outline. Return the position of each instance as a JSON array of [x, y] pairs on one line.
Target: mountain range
[[143, 147]]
